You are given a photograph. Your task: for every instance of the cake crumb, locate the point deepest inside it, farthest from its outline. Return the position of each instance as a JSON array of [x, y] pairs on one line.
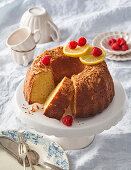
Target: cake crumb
[[37, 107], [28, 112], [32, 109]]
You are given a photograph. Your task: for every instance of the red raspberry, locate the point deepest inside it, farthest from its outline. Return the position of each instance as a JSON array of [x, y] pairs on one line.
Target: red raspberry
[[67, 120], [111, 41], [115, 46], [124, 47], [121, 41], [72, 44], [96, 51], [45, 60], [81, 41]]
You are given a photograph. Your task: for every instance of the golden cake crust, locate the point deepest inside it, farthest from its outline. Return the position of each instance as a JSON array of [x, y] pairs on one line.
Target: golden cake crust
[[60, 100], [94, 90], [63, 65]]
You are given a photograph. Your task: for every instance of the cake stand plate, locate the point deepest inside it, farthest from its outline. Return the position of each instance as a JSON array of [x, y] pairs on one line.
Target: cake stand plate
[[82, 132]]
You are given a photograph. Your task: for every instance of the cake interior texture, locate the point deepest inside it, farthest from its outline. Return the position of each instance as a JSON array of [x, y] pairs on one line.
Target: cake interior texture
[[59, 99], [42, 87], [52, 95]]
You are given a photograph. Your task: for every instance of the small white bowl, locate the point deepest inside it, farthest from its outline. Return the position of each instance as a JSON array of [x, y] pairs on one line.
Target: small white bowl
[[104, 43]]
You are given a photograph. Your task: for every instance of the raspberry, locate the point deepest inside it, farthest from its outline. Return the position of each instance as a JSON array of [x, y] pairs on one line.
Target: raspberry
[[124, 47], [67, 120], [45, 60], [111, 41], [115, 46], [121, 41], [72, 44], [96, 51], [81, 41]]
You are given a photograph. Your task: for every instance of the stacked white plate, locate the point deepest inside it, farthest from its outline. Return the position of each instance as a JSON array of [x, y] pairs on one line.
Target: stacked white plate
[[101, 41]]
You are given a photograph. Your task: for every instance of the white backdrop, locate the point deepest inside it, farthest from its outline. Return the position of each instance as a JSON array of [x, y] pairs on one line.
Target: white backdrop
[[111, 150]]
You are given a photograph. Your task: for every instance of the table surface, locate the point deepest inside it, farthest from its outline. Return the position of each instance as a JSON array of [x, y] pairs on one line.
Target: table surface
[[111, 149]]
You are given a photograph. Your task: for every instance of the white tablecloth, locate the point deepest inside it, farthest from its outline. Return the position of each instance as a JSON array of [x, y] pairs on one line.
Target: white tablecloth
[[111, 150]]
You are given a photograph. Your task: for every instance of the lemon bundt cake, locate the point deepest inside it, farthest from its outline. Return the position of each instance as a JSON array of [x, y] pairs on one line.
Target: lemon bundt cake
[[41, 79], [93, 90], [59, 99], [93, 85]]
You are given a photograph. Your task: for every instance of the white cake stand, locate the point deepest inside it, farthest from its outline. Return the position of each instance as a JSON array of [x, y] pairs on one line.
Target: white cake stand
[[82, 132]]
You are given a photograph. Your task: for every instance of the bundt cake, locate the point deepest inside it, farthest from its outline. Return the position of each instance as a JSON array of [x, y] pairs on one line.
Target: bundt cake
[[93, 90], [41, 79], [59, 99], [93, 85]]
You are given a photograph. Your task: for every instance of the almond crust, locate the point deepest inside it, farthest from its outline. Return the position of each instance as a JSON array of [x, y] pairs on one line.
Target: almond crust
[[94, 90]]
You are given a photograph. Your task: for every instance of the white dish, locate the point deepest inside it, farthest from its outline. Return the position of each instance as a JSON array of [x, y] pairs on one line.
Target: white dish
[[96, 42], [47, 150], [81, 127], [107, 47], [114, 57]]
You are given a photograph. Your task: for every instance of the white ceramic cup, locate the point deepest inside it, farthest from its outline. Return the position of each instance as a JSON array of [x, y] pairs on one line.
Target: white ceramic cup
[[23, 39], [39, 18], [22, 58]]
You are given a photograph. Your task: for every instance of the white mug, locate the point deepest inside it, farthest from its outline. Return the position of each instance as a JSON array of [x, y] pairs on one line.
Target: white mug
[[23, 40], [38, 18], [22, 58]]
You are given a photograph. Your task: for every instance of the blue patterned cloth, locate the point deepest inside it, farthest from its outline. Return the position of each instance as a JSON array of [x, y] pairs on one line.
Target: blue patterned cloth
[[111, 150]]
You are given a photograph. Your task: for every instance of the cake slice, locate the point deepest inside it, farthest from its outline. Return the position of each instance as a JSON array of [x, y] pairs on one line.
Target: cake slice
[[59, 99]]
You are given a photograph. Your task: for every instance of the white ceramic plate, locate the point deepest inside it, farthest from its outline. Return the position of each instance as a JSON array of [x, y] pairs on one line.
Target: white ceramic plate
[[47, 149], [97, 42], [80, 127]]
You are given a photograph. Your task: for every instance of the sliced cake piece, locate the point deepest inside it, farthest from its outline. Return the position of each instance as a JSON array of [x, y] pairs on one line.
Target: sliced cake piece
[[59, 99]]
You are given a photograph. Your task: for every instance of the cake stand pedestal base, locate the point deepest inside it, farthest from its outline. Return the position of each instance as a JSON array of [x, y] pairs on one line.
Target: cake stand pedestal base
[[74, 142]]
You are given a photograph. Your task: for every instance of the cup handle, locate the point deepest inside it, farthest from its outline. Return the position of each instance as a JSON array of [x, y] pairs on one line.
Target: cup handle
[[54, 27], [25, 60], [37, 35]]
